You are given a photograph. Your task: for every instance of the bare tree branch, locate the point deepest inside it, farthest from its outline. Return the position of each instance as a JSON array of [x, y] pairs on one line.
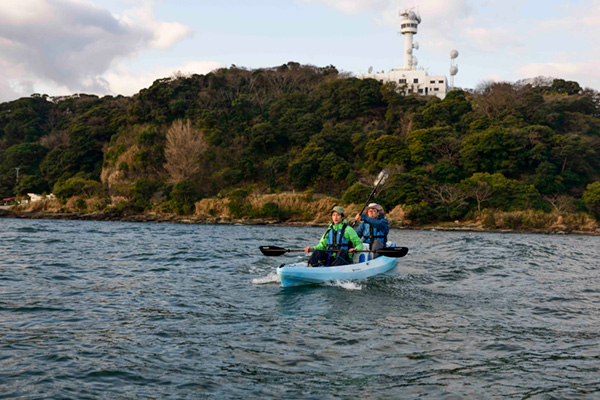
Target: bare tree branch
[[184, 148]]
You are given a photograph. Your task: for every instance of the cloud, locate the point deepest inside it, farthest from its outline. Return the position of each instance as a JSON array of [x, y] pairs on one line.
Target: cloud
[[165, 34], [71, 43], [586, 74], [354, 6], [492, 39], [125, 82]]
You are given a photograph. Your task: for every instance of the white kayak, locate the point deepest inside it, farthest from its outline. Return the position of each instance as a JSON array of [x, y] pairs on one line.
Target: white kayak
[[301, 274]]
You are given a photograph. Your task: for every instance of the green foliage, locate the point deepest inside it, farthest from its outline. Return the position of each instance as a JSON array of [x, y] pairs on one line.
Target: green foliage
[[143, 189], [31, 184], [183, 197], [356, 193], [80, 204], [591, 198], [496, 149], [298, 126], [405, 188], [76, 186], [423, 142], [26, 156], [384, 151], [272, 210], [566, 87], [508, 194]]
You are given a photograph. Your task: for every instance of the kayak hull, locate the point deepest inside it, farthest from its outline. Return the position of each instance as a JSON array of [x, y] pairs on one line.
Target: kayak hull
[[300, 274]]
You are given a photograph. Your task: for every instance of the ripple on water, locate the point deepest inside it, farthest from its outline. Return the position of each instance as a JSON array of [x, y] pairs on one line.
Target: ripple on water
[[125, 310]]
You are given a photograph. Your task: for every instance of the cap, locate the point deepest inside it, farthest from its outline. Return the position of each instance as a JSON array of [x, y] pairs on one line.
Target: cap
[[376, 207], [338, 210]]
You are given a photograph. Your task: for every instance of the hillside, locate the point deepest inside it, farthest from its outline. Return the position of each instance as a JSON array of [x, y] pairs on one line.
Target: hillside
[[528, 148]]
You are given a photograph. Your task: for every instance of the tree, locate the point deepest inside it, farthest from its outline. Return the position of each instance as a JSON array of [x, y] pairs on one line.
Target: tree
[[591, 198], [184, 148], [386, 150], [449, 201], [567, 87], [479, 190]]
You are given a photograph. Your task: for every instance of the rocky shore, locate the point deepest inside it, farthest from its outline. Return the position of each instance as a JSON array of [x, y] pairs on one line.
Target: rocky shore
[[195, 219], [111, 216]]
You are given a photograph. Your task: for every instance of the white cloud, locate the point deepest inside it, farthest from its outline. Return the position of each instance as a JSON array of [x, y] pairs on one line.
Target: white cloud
[[165, 34], [492, 39], [584, 71], [354, 6], [72, 43], [126, 82]]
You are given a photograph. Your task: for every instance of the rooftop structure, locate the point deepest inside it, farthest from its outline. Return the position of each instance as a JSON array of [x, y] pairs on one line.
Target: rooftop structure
[[410, 78]]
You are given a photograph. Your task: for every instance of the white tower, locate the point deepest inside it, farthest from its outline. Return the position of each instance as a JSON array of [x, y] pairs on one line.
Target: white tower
[[408, 27], [410, 79]]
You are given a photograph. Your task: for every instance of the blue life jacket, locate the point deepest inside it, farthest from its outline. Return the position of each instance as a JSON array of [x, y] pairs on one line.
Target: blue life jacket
[[336, 240], [375, 234]]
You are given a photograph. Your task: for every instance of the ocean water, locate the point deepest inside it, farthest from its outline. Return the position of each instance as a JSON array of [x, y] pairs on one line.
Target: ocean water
[[110, 310]]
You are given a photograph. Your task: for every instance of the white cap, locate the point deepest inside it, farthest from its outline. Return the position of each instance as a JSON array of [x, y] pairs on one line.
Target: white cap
[[376, 207]]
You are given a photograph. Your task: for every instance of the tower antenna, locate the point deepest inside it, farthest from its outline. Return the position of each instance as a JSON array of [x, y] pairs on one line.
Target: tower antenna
[[453, 68]]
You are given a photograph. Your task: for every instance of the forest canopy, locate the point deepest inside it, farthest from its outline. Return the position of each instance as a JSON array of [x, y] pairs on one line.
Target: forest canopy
[[533, 144]]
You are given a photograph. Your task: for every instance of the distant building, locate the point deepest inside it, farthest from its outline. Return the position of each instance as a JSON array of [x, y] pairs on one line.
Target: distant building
[[9, 200], [38, 197], [408, 77]]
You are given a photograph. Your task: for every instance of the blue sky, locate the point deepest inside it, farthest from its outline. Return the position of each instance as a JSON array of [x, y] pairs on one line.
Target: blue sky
[[60, 47]]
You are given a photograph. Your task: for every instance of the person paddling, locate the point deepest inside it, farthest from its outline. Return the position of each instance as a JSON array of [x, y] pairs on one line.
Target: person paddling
[[339, 240], [374, 228]]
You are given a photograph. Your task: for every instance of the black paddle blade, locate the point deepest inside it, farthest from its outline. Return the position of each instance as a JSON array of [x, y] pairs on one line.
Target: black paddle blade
[[396, 252], [272, 250]]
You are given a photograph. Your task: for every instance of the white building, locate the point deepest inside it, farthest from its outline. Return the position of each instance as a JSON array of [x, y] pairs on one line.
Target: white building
[[408, 77]]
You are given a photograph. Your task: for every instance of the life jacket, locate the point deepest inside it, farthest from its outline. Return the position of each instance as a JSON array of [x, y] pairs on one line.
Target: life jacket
[[375, 234], [336, 240]]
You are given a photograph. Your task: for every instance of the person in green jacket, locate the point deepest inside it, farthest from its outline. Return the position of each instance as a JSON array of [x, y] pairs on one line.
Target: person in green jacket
[[336, 244]]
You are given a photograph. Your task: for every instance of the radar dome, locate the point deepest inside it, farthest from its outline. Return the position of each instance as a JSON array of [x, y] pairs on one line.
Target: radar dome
[[454, 54], [453, 71]]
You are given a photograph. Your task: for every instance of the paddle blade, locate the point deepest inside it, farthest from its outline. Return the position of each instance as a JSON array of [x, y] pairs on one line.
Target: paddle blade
[[272, 250], [395, 252], [382, 177]]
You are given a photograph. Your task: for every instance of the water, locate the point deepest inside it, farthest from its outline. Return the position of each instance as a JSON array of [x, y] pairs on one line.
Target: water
[[105, 310]]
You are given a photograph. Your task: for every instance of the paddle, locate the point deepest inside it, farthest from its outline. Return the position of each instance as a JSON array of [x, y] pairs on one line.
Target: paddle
[[395, 252], [380, 181]]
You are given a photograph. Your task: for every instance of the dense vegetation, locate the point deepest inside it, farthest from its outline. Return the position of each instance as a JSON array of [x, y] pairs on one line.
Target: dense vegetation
[[530, 145]]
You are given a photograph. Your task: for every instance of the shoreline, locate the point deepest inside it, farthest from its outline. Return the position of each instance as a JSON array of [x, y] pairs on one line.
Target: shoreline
[[194, 219]]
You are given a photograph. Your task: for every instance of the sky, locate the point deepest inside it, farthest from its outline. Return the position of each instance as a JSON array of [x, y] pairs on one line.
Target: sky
[[110, 47]]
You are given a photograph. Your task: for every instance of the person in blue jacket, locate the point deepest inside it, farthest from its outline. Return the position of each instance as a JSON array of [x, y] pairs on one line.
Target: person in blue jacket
[[374, 227]]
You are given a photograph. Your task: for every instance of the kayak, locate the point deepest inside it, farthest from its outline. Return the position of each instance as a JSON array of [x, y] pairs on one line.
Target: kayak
[[301, 274]]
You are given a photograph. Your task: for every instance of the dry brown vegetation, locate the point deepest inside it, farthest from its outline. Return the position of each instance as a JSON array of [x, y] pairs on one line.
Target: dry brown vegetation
[[185, 146]]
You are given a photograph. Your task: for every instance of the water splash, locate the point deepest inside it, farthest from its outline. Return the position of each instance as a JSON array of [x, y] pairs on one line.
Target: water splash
[[348, 285], [271, 278]]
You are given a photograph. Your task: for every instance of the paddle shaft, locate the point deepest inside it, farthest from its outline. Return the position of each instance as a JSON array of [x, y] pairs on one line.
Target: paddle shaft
[[380, 181]]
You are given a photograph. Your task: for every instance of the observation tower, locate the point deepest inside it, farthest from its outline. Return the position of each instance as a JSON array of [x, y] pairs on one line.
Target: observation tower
[[408, 27], [410, 78]]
